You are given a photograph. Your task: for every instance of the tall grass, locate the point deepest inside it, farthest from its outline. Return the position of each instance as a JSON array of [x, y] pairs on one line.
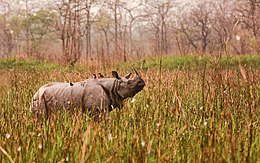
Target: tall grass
[[205, 115]]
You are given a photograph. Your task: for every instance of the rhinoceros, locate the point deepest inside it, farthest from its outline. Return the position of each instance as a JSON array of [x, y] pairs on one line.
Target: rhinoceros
[[92, 95]]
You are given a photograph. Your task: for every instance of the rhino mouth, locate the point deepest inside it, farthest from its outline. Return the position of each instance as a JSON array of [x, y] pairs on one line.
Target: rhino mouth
[[140, 85], [138, 89]]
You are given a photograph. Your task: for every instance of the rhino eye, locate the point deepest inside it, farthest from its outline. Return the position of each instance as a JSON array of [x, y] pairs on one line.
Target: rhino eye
[[128, 82]]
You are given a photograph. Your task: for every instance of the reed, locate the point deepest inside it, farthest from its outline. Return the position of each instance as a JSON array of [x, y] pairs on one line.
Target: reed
[[200, 115]]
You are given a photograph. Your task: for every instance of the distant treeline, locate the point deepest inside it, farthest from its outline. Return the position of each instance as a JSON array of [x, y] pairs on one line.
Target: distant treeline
[[108, 31]]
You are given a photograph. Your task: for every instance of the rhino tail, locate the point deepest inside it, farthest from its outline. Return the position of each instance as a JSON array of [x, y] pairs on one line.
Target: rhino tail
[[34, 102], [38, 104]]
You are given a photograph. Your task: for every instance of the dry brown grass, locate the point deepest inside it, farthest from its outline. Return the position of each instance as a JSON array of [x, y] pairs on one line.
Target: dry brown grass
[[205, 115]]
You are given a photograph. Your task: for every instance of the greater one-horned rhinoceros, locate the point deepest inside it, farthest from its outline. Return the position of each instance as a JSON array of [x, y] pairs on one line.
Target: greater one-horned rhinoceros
[[92, 95]]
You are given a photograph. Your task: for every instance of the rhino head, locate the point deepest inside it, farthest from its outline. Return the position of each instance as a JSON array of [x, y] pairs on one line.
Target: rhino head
[[128, 87]]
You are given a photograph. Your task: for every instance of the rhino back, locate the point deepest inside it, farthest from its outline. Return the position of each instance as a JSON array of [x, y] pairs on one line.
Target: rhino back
[[63, 95]]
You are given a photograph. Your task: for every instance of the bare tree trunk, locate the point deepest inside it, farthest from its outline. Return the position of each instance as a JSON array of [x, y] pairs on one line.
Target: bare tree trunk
[[28, 51], [124, 44], [116, 27], [71, 30], [88, 32]]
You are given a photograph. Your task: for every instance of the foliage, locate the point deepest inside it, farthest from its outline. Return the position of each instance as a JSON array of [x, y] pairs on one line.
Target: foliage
[[127, 30], [26, 65], [204, 115], [33, 30], [195, 62], [37, 65], [254, 43], [38, 23]]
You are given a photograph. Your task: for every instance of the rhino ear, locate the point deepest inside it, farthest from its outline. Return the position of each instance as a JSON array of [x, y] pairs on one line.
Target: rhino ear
[[128, 75], [115, 74]]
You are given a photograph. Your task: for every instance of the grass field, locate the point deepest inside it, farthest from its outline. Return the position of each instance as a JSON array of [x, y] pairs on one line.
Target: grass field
[[191, 110]]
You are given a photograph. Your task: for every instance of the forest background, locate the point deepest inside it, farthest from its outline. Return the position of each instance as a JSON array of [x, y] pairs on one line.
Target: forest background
[[102, 32]]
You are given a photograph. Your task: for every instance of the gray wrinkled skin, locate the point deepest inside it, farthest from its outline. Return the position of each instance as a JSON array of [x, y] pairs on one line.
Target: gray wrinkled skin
[[92, 95]]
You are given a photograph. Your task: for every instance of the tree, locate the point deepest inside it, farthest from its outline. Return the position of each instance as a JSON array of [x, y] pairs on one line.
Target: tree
[[103, 27], [115, 11], [224, 24], [248, 13], [6, 33], [6, 38], [158, 12], [197, 27], [68, 28], [91, 11], [35, 29]]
